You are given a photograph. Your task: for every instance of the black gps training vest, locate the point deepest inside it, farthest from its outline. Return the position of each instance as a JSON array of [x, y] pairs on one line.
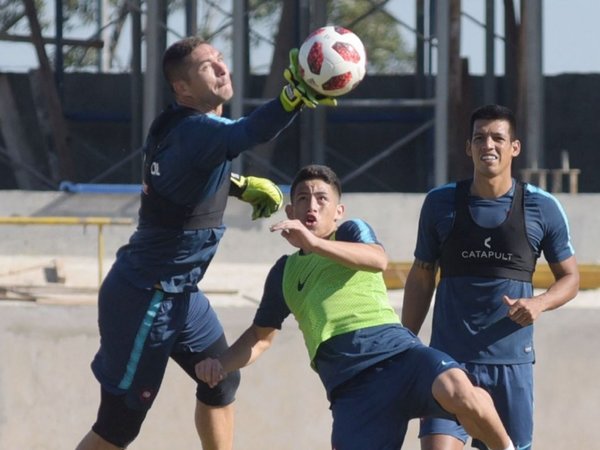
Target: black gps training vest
[[158, 210], [501, 252]]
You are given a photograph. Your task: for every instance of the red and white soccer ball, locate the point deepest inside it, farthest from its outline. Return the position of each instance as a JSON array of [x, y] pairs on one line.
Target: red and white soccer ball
[[332, 60]]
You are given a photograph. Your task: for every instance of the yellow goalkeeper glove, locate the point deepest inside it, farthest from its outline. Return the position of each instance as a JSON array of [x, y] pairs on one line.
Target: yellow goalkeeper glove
[[296, 93], [264, 195]]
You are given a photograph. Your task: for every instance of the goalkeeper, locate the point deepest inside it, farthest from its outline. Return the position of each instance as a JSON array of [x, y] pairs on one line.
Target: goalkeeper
[[150, 308]]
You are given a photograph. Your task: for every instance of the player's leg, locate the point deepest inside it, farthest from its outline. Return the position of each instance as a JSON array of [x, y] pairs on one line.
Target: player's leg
[[214, 406], [439, 430], [215, 426], [442, 434], [443, 390], [203, 337], [472, 406], [137, 329], [511, 388], [214, 416], [116, 426], [92, 441]]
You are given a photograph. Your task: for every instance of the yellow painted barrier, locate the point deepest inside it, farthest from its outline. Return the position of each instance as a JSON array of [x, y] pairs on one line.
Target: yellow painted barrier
[[100, 222], [589, 275]]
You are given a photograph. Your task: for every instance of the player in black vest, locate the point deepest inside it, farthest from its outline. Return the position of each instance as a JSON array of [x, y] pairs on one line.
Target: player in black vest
[[486, 234]]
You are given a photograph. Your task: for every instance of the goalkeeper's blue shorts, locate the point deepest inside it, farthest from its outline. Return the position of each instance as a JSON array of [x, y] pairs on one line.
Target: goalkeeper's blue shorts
[[140, 329]]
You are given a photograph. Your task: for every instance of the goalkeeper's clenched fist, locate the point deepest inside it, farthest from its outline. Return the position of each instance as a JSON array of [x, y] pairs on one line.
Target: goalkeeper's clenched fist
[[296, 93], [264, 195]]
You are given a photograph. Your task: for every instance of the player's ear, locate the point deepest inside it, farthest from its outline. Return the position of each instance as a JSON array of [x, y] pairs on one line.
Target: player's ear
[[516, 147], [339, 211], [180, 87], [468, 148], [289, 211]]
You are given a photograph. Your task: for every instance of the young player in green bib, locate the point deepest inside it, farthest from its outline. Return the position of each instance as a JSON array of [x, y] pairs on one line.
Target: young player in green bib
[[377, 374]]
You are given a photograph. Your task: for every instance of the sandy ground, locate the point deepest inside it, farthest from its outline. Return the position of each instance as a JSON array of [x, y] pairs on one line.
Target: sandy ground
[[48, 397]]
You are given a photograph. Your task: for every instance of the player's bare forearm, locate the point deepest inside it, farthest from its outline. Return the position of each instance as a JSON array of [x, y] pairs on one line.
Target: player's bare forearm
[[418, 292], [248, 347], [356, 255], [566, 285], [565, 288]]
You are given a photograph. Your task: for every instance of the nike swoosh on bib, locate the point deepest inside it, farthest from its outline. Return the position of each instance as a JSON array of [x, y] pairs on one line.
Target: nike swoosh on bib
[[302, 283]]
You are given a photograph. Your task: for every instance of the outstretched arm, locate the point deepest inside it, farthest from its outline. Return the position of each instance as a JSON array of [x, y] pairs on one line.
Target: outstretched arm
[[355, 255], [565, 288], [418, 292], [248, 347]]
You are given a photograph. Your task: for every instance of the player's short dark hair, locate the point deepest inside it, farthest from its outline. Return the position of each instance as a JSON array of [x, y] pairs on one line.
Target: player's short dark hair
[[316, 172], [495, 112], [174, 61]]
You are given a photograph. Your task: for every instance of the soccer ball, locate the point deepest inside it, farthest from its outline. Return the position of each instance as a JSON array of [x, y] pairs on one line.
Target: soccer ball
[[332, 60]]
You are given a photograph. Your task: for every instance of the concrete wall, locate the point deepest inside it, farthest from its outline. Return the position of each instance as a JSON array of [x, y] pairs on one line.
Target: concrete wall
[[394, 216], [48, 396]]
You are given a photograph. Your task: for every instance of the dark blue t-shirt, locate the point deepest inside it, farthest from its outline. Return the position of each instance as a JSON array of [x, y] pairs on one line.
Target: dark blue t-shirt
[[469, 319], [194, 161]]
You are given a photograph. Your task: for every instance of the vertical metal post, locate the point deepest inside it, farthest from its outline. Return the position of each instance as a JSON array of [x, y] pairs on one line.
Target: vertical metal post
[[155, 46], [489, 83], [319, 116], [191, 14], [420, 48], [534, 80], [305, 120], [239, 73], [99, 22], [440, 163], [102, 6], [59, 59], [432, 16], [100, 253], [136, 86]]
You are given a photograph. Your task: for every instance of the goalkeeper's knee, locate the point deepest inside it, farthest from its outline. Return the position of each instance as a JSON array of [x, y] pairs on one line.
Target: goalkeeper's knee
[[117, 423]]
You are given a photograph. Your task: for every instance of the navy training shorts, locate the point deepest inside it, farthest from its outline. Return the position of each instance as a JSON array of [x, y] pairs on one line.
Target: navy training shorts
[[140, 329], [372, 410]]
